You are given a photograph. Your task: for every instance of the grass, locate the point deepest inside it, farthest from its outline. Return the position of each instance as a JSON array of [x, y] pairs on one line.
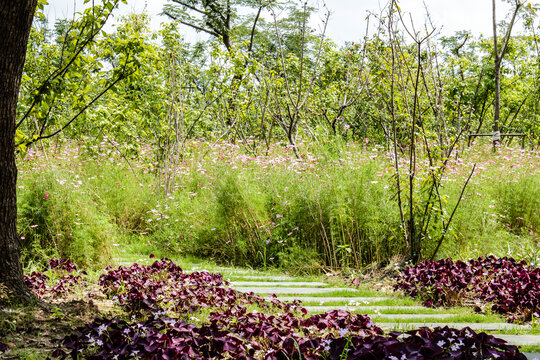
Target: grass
[[530, 348]]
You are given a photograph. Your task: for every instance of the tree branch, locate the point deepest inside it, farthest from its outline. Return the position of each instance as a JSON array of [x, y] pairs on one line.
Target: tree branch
[[509, 30], [452, 215], [496, 52], [61, 70], [121, 77], [189, 7], [196, 27], [250, 47]]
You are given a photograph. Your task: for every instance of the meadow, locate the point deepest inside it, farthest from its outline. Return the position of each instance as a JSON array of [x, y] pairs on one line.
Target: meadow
[[334, 206]]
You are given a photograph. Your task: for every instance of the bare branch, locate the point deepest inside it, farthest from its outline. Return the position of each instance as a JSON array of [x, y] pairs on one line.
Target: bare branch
[[180, 2], [196, 27], [253, 28], [452, 215], [509, 30]]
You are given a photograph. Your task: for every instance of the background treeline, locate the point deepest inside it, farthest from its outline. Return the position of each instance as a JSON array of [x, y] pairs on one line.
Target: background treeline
[[264, 77], [270, 80]]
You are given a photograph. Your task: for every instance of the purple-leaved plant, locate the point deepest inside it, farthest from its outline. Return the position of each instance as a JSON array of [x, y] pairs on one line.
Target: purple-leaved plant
[[260, 336], [66, 278], [511, 287], [164, 286]]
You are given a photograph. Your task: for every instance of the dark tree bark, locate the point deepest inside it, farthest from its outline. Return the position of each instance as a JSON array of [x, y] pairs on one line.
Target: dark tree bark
[[15, 23]]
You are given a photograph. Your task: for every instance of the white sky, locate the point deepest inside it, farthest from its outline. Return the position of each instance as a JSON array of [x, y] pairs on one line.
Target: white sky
[[347, 22]]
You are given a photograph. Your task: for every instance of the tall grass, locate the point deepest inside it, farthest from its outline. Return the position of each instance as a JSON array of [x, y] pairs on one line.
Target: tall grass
[[57, 217], [336, 208]]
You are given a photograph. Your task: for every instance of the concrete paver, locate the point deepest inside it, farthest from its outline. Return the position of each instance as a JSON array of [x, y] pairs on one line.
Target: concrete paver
[[473, 326], [291, 290], [353, 301], [410, 316], [521, 340], [362, 308], [276, 283], [264, 278]]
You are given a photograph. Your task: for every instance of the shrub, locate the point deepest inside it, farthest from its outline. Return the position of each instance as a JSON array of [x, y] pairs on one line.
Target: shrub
[[336, 208], [519, 207]]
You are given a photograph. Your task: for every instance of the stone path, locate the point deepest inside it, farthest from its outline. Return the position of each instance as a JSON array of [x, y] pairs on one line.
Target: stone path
[[267, 278], [261, 289], [320, 297], [474, 326], [398, 317], [263, 284], [321, 309], [340, 299]]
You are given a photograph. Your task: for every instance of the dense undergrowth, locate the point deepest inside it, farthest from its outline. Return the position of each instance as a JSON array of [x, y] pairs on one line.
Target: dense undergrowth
[[160, 303], [334, 206]]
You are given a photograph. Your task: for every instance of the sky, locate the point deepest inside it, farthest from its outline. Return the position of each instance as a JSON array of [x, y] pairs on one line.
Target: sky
[[348, 17]]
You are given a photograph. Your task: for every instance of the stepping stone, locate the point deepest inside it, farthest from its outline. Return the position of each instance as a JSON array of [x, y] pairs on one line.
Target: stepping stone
[[350, 300], [410, 316], [231, 271], [363, 308], [218, 270], [266, 278], [521, 340], [291, 290], [275, 283], [228, 272], [474, 326]]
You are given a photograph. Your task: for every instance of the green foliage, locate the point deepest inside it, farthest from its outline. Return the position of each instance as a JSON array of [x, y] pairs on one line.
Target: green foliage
[[57, 218], [142, 98], [282, 82], [499, 212], [66, 75], [268, 211], [125, 195], [519, 204]]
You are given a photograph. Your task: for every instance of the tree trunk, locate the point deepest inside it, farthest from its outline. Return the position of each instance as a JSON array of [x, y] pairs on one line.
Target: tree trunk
[[497, 59], [497, 103], [15, 23]]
